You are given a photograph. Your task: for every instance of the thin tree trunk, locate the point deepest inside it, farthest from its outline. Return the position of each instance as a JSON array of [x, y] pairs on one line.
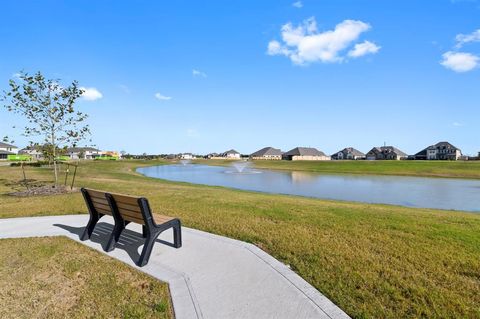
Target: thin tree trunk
[[54, 159]]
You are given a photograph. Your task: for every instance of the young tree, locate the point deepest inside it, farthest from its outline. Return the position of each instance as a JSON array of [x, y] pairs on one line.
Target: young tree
[[49, 109]]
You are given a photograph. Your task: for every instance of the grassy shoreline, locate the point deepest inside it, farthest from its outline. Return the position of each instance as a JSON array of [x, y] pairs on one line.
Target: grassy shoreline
[[437, 169], [371, 260]]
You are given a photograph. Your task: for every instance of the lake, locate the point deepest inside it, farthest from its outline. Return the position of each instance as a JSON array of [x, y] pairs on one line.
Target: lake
[[441, 193]]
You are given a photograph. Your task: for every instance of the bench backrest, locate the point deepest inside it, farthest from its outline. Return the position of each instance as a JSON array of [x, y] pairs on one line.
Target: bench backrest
[[99, 201], [129, 207]]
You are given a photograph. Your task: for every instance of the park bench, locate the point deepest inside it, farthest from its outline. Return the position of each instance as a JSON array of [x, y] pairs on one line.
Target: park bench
[[124, 210]]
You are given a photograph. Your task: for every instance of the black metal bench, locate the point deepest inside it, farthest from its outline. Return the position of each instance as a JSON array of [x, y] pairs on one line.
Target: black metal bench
[[124, 210]]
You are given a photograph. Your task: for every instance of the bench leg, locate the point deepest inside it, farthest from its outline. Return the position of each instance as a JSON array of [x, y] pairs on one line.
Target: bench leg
[[147, 249], [115, 236], [90, 226], [177, 234], [144, 231]]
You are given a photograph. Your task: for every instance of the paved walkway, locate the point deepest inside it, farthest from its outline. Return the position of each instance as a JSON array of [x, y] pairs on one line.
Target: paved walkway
[[209, 277]]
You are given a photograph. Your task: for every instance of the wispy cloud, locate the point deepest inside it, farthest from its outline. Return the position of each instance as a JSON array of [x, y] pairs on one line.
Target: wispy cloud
[[361, 49], [297, 4], [459, 61], [16, 75], [199, 73], [463, 39], [304, 44], [457, 124], [162, 97], [91, 93]]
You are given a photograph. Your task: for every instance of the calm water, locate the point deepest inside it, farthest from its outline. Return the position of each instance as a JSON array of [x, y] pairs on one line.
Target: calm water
[[458, 194]]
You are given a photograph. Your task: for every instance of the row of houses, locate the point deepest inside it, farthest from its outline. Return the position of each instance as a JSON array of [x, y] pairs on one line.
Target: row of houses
[[439, 151], [72, 153]]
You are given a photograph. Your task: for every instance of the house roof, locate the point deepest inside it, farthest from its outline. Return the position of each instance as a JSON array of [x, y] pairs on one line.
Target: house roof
[[232, 151], [351, 150], [446, 144], [6, 145], [388, 149], [304, 151], [267, 151], [437, 146]]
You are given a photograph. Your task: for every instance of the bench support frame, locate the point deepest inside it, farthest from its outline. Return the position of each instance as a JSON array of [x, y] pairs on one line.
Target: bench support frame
[[94, 216], [150, 229]]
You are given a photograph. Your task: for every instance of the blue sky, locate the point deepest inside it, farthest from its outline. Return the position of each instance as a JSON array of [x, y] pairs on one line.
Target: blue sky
[[191, 76]]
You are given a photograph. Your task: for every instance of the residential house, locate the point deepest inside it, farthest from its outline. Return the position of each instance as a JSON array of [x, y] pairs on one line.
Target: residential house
[[386, 153], [76, 153], [305, 154], [186, 156], [267, 153], [7, 149], [439, 151], [211, 155], [34, 152], [231, 154], [348, 153]]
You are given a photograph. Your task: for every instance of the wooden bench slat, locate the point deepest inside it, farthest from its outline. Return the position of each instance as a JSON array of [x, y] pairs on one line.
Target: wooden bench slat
[[133, 208], [160, 219], [125, 212], [134, 219], [130, 200], [103, 200]]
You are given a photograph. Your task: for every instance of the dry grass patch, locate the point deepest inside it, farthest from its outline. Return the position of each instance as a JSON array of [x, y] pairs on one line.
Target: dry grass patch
[[55, 277]]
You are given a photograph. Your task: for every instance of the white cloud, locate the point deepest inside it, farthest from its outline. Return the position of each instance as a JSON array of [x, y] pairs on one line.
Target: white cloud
[[297, 4], [16, 75], [467, 38], [361, 49], [199, 73], [459, 61], [457, 124], [303, 44], [161, 97], [91, 94]]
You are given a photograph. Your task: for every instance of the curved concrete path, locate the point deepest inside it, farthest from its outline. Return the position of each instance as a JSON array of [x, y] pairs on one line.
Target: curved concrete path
[[209, 277]]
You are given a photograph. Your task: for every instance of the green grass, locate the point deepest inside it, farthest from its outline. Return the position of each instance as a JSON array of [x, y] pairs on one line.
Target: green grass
[[456, 169], [374, 261], [59, 278]]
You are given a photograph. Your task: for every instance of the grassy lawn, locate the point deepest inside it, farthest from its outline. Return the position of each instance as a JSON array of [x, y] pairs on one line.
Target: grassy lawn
[[59, 278], [458, 169], [373, 261]]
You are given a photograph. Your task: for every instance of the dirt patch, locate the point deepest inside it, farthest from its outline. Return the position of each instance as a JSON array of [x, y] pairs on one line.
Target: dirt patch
[[44, 190]]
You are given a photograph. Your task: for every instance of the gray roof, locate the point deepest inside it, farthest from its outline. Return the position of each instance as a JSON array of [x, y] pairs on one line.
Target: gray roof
[[304, 151], [388, 149], [232, 151], [351, 150], [436, 146], [267, 151], [447, 145], [6, 145]]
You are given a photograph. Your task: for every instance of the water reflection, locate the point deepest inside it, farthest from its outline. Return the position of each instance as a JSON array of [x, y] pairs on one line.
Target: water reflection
[[439, 193]]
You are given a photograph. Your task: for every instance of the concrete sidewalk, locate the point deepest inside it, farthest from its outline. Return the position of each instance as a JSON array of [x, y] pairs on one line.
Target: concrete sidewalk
[[209, 277]]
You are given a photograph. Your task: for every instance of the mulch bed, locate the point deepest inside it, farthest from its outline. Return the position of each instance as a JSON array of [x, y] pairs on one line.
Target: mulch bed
[[44, 190]]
